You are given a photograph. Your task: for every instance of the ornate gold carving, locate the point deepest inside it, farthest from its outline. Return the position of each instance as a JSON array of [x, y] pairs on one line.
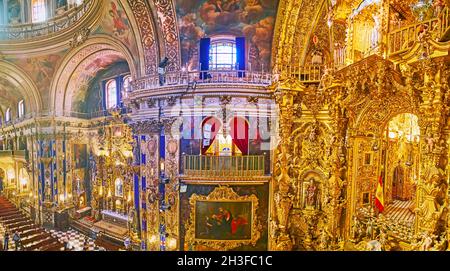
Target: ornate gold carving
[[80, 37]]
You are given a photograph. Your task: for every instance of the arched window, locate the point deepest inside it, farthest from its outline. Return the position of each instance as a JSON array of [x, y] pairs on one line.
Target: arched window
[[38, 11], [126, 86], [222, 54], [111, 94], [8, 115], [21, 109], [240, 134]]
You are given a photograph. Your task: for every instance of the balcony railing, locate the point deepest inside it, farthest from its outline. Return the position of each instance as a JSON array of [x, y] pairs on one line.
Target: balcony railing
[[70, 114], [203, 77], [305, 74], [403, 39], [223, 166], [30, 31]]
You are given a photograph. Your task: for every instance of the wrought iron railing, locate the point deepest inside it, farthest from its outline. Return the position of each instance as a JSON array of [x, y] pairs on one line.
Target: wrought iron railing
[[403, 39], [223, 166], [56, 24]]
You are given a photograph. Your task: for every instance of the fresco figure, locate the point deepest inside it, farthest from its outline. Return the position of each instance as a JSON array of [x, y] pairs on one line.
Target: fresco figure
[[120, 22], [14, 11]]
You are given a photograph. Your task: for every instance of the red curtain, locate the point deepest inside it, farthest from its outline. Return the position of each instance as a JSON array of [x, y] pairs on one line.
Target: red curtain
[[239, 133], [215, 128]]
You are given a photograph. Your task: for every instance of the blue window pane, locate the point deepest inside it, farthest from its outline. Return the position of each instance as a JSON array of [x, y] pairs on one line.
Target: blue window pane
[[223, 55]]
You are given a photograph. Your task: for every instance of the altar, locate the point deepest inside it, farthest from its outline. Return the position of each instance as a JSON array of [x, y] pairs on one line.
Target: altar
[[113, 224]]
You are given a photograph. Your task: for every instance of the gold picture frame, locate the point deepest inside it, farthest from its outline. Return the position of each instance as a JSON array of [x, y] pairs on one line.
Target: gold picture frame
[[223, 195]]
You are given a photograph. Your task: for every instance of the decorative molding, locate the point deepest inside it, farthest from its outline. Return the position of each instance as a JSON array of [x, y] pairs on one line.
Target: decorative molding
[[223, 194]]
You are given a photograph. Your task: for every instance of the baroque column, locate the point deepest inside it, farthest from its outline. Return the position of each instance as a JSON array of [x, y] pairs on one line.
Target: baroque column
[[285, 93], [432, 198]]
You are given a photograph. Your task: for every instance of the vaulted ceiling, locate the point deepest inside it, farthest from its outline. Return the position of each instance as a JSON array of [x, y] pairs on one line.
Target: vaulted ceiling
[[143, 32]]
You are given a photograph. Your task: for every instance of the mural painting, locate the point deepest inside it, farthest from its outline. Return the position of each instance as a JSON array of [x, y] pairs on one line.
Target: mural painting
[[40, 69], [88, 97], [253, 19], [116, 23]]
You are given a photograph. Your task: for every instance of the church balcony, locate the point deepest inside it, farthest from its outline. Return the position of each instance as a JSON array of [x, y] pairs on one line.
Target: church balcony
[[404, 38], [232, 167], [219, 79], [308, 74], [194, 78], [68, 20]]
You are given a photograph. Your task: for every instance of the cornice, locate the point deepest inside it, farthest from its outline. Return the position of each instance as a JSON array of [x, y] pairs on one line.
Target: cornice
[[57, 41]]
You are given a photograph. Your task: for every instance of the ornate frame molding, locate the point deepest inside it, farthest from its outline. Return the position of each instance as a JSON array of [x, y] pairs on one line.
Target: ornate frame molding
[[223, 194]]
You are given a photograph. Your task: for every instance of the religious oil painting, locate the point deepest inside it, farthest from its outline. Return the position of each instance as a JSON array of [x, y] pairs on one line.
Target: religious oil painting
[[223, 220], [80, 155]]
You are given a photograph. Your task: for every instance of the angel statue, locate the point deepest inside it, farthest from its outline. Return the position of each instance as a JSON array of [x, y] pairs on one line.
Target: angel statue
[[132, 220]]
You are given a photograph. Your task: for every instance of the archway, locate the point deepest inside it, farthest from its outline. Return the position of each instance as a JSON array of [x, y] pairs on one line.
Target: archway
[[82, 64], [15, 85], [400, 165]]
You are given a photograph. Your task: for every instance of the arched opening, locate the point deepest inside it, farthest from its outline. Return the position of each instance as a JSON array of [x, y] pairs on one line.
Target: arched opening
[[239, 129], [80, 87], [111, 94], [210, 128], [400, 166]]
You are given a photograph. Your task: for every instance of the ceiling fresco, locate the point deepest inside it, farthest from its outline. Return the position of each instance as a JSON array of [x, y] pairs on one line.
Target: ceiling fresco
[[86, 71], [9, 93], [254, 19], [40, 69], [117, 24]]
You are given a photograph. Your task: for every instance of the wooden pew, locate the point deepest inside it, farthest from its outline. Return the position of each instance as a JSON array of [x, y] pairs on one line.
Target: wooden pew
[[57, 246], [27, 234], [40, 244], [9, 212], [26, 228], [15, 227], [14, 221], [37, 238], [6, 218]]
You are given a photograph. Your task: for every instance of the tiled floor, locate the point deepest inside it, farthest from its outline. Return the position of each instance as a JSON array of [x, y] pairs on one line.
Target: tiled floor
[[75, 239]]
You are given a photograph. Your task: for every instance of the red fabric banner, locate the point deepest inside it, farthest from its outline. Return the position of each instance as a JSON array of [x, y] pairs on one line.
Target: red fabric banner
[[239, 134]]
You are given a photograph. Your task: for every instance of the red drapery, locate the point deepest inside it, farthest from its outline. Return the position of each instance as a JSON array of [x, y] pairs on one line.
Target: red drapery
[[215, 127], [239, 133]]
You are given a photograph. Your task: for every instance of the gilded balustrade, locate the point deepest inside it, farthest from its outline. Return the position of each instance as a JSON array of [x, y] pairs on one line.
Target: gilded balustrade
[[403, 39]]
